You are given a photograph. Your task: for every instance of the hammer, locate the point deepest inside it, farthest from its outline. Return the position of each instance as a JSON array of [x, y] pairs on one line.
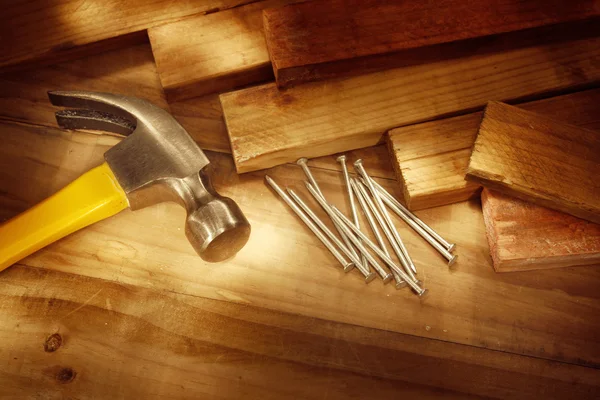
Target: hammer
[[158, 161]]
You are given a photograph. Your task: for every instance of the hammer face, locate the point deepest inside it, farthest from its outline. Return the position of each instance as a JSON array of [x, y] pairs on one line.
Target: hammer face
[[159, 162]]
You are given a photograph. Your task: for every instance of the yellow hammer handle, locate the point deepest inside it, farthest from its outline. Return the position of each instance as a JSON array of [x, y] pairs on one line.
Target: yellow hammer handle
[[92, 197]]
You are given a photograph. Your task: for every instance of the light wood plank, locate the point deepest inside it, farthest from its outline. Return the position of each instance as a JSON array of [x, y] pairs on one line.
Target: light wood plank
[[267, 127], [431, 159], [213, 53], [329, 38], [284, 267], [523, 236], [45, 31], [118, 340], [130, 71], [539, 159], [202, 118]]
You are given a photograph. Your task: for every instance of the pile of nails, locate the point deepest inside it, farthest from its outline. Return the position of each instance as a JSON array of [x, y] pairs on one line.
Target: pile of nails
[[352, 246]]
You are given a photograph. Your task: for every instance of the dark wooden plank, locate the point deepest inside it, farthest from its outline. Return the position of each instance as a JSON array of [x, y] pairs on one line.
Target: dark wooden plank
[[538, 159], [524, 236], [326, 38]]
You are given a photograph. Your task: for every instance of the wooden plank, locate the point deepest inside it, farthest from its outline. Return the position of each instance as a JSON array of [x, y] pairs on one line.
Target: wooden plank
[[202, 117], [147, 248], [213, 53], [267, 127], [329, 38], [130, 71], [39, 30], [524, 236], [117, 340], [430, 159], [538, 159]]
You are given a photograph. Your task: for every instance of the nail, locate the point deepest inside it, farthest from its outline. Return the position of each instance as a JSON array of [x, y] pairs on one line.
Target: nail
[[323, 227], [386, 276], [396, 242], [345, 263], [303, 162], [434, 243], [368, 213], [342, 160], [448, 246], [348, 225]]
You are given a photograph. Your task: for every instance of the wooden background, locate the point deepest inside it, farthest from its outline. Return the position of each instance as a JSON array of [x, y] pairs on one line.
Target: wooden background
[[125, 308]]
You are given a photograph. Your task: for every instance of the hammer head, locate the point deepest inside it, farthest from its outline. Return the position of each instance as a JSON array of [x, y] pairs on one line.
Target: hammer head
[[159, 161]]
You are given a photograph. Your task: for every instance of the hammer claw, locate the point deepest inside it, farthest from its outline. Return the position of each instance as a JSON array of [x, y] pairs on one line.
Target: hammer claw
[[96, 120]]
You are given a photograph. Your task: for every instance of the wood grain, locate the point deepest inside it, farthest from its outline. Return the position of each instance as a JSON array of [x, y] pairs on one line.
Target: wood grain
[[324, 39], [202, 118], [539, 159], [213, 53], [524, 236], [52, 32], [470, 304], [267, 127], [116, 340], [431, 159], [130, 71]]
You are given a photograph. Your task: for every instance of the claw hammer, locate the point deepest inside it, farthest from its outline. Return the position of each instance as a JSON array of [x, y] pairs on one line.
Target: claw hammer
[[158, 161]]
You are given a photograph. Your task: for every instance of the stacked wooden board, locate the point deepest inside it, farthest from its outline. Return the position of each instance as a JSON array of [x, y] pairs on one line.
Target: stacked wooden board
[[125, 308], [325, 39], [538, 159], [431, 158]]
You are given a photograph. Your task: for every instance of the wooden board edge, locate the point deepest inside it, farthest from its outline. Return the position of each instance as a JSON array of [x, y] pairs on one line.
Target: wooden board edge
[[486, 180], [406, 198]]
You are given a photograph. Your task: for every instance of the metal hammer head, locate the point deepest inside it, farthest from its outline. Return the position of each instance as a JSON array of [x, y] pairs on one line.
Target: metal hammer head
[[159, 161]]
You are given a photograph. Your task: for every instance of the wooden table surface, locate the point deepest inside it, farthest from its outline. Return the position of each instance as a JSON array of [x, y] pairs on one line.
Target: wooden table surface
[[131, 311], [126, 309]]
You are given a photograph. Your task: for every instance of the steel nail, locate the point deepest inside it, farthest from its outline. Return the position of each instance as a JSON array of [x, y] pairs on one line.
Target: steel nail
[[397, 243], [436, 245], [323, 227], [448, 246], [345, 263], [348, 225], [342, 160], [368, 214], [386, 276], [303, 163]]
